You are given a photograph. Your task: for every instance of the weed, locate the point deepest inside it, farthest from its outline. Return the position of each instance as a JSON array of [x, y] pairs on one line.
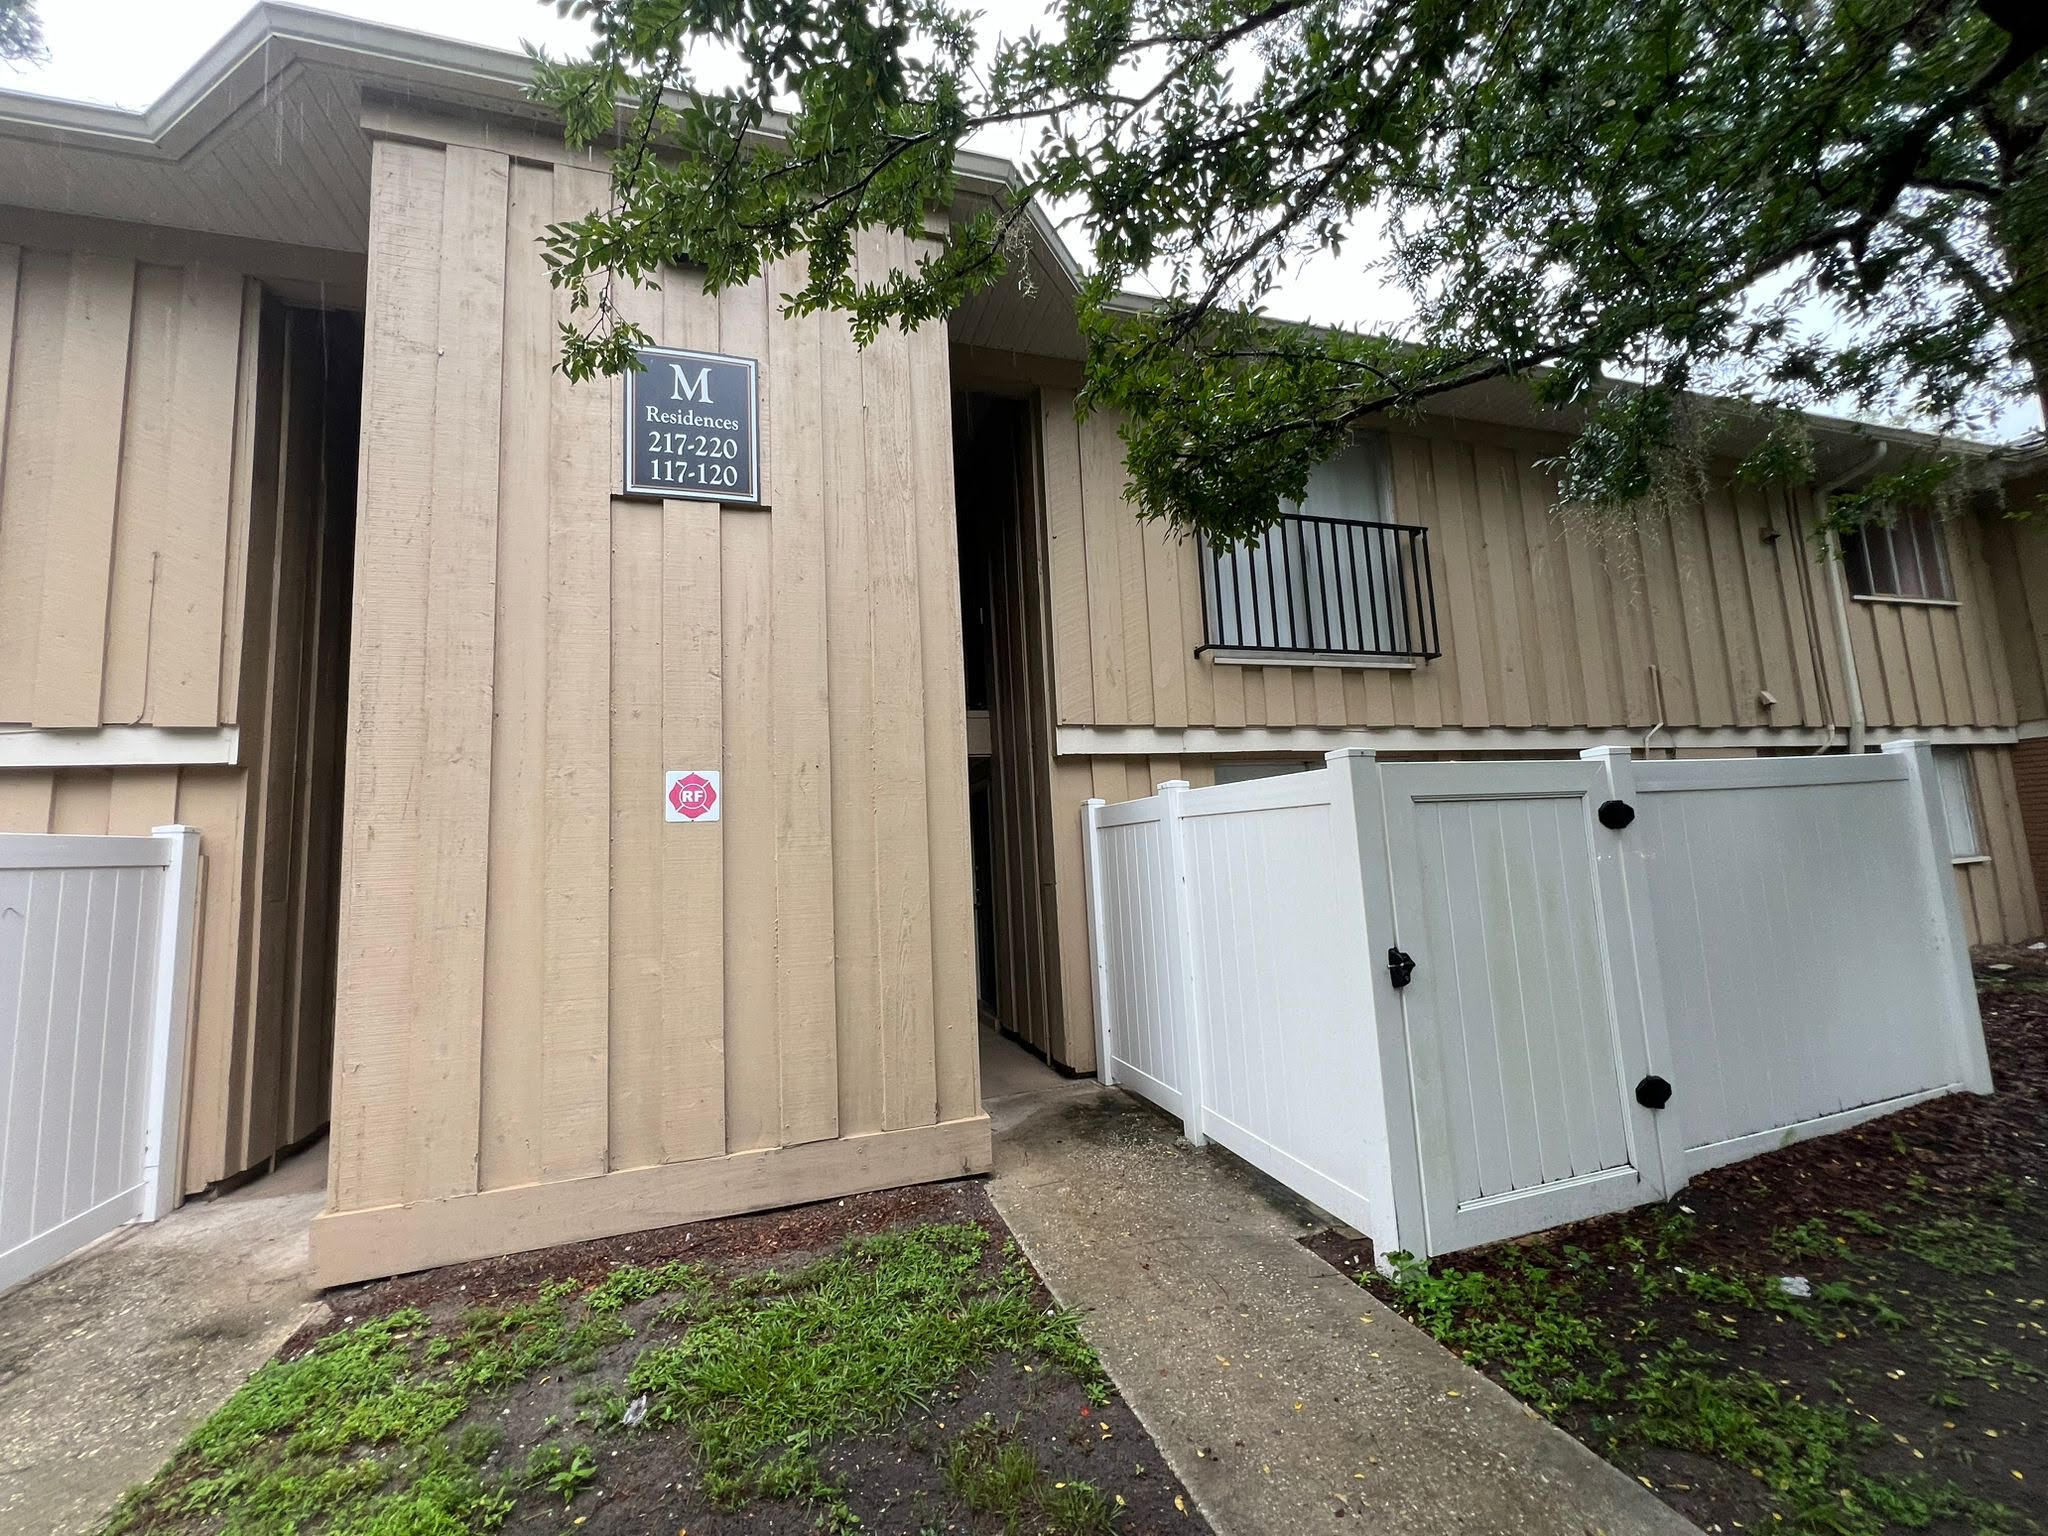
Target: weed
[[1844, 1294], [847, 1345], [601, 1408], [375, 1431], [1805, 1452], [567, 1472], [1720, 1288], [993, 1474], [630, 1283], [990, 1472], [1552, 1323], [1077, 1509], [2003, 1189], [1962, 1245], [1810, 1239], [358, 1434], [1523, 1321]]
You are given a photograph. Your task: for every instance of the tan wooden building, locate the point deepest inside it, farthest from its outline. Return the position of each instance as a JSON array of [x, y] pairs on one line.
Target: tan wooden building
[[304, 543]]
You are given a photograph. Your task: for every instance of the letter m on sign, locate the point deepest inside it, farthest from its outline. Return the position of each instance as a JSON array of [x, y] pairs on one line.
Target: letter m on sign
[[689, 388]]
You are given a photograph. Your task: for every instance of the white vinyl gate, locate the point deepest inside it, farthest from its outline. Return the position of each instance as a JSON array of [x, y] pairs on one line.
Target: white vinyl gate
[[96, 938], [1441, 999]]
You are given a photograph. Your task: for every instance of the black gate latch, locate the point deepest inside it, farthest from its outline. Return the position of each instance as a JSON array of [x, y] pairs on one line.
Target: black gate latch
[[1400, 966]]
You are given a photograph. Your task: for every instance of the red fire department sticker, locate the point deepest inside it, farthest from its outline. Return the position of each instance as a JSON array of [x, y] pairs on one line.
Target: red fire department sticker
[[692, 796]]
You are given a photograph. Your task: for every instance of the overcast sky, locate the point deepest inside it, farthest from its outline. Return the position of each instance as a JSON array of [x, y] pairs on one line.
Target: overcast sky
[[128, 52]]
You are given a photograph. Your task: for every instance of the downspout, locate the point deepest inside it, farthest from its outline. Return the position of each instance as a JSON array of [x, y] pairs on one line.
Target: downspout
[[1838, 593]]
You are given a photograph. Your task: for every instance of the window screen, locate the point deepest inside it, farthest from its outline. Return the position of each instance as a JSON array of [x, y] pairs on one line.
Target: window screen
[[1958, 802], [1908, 558]]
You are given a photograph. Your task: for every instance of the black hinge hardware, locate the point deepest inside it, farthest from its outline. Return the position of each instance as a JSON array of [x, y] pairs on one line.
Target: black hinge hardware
[[1400, 967]]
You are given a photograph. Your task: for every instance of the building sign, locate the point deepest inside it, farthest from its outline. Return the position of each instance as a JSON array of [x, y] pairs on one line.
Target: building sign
[[693, 427], [691, 796]]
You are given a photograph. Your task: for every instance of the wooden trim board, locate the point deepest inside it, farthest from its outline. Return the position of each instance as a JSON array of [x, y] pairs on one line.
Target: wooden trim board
[[386, 1240], [1205, 741], [121, 746]]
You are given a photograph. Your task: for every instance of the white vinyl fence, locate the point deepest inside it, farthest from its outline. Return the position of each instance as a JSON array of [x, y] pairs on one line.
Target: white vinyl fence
[[96, 939], [1456, 1002]]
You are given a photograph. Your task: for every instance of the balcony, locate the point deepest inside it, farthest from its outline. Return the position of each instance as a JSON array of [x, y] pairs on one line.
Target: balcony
[[1322, 587]]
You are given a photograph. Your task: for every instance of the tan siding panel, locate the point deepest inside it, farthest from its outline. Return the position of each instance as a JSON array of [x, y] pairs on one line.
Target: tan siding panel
[[851, 664], [215, 801], [1067, 548], [79, 806], [461, 552], [509, 1088], [376, 1009], [1103, 514], [189, 630], [25, 796], [956, 1054], [32, 456], [902, 829], [692, 731], [575, 926], [753, 1051], [2030, 801], [250, 404], [79, 537], [144, 530], [805, 1008], [638, 1070]]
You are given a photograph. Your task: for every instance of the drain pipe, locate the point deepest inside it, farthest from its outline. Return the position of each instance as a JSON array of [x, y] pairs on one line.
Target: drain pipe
[[1838, 594]]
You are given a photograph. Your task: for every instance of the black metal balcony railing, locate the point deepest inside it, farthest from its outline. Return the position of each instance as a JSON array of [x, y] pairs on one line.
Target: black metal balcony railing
[[1323, 585]]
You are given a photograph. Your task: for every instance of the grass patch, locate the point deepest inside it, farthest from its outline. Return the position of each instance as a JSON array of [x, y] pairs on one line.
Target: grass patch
[[779, 1364], [389, 1427], [1524, 1321], [1962, 1245], [993, 1474], [351, 1437]]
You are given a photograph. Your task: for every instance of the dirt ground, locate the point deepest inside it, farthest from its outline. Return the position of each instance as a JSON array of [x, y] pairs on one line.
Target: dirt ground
[[1904, 1385], [553, 1434]]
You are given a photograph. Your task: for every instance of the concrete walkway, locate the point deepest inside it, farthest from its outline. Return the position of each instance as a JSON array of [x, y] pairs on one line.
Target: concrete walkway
[[108, 1361], [1285, 1397]]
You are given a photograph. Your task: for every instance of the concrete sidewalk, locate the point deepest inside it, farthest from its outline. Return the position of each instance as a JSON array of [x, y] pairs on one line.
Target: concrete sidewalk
[[1284, 1396], [109, 1360]]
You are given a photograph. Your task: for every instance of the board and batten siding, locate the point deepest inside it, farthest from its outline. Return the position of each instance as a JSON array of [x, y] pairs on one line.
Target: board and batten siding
[[2017, 548], [122, 516], [2018, 551], [561, 1016], [1544, 623], [162, 496]]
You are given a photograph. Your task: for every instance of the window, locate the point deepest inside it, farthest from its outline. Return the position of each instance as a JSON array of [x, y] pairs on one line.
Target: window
[[1332, 577], [1905, 558], [1958, 802]]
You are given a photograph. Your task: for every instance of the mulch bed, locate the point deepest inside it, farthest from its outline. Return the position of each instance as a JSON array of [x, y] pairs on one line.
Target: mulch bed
[[1957, 1385]]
